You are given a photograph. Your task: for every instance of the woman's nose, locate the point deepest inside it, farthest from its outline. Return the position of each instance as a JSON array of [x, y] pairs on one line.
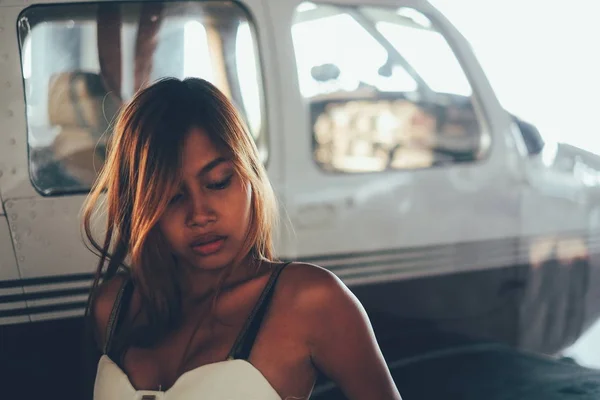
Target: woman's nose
[[200, 211]]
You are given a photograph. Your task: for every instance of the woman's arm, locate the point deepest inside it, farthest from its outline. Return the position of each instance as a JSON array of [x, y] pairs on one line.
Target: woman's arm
[[342, 344]]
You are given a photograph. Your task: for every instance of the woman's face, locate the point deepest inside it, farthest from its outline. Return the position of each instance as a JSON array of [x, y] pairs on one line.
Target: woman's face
[[207, 219]]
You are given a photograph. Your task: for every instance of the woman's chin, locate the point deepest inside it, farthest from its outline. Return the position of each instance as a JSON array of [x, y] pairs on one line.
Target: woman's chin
[[208, 264]]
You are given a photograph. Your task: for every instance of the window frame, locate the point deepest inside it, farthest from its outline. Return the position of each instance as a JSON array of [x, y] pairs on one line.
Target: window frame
[[56, 12], [475, 100]]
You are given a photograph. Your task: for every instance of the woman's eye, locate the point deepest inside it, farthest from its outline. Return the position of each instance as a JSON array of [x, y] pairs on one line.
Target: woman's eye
[[175, 198], [221, 184]]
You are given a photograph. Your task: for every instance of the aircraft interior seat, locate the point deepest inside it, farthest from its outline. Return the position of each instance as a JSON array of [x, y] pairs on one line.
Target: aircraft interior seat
[[82, 108]]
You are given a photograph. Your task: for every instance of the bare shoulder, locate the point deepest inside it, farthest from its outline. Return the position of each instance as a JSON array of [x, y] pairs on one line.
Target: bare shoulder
[[338, 334], [313, 288], [102, 305], [303, 273]]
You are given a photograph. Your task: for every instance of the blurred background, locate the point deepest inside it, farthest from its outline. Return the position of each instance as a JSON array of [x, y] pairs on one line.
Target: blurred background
[[539, 57]]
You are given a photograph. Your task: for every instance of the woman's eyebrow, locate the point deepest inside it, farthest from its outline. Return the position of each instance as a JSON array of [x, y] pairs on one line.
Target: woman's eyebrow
[[211, 165]]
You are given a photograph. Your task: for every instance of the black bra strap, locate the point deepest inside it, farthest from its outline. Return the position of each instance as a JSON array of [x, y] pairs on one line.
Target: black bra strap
[[245, 340], [116, 315], [243, 344]]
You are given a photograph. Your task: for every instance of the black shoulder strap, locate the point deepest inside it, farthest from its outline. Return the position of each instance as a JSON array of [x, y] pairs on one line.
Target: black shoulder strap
[[116, 315], [243, 344]]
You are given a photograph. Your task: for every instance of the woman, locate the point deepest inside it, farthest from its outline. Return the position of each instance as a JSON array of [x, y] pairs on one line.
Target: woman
[[203, 309]]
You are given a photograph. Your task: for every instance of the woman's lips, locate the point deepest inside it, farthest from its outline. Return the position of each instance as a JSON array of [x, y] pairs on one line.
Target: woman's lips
[[208, 248]]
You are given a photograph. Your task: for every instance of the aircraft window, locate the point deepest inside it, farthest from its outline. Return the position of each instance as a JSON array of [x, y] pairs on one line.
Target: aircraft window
[[385, 90], [80, 62]]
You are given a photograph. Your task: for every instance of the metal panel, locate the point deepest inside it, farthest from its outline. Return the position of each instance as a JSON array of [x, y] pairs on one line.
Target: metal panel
[[14, 173], [55, 264], [11, 309]]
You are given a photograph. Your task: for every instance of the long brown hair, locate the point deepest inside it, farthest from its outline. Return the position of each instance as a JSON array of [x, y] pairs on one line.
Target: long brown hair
[[143, 164]]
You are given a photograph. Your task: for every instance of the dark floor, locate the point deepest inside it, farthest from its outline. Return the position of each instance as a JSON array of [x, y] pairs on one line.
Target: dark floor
[[457, 368], [425, 365]]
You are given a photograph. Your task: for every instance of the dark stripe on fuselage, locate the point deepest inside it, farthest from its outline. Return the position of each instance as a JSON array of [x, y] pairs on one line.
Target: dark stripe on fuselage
[[79, 305], [45, 280], [50, 294], [399, 260]]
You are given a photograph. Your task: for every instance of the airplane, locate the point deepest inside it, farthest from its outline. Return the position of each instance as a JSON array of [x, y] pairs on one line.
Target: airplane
[[394, 163]]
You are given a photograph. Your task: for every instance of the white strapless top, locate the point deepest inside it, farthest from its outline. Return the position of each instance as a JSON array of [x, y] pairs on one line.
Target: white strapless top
[[226, 380]]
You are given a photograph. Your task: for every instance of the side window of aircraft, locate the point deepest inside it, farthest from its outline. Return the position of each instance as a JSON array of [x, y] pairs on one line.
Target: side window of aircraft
[[385, 90], [80, 62]]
